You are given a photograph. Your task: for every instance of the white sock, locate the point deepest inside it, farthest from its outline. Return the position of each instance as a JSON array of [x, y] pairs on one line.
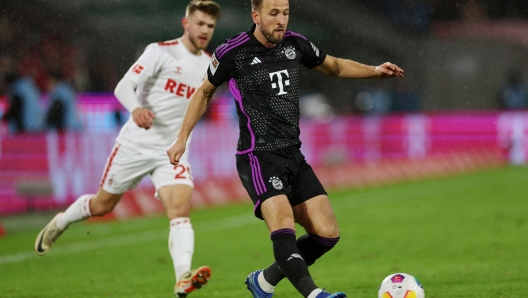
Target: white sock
[[314, 293], [181, 245], [264, 284], [79, 210]]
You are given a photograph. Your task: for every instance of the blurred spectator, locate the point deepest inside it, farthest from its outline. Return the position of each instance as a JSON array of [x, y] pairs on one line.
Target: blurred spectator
[[62, 111], [38, 42], [405, 98], [413, 15], [514, 95], [375, 98], [118, 118], [24, 113], [315, 106]]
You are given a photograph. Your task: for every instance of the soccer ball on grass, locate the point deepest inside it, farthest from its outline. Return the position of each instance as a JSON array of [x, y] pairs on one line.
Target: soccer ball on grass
[[401, 285]]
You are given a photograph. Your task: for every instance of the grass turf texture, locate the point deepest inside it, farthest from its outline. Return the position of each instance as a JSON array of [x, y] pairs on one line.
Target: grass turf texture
[[462, 236]]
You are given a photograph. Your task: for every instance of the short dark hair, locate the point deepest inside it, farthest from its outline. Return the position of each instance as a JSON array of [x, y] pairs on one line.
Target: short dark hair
[[256, 5], [209, 7]]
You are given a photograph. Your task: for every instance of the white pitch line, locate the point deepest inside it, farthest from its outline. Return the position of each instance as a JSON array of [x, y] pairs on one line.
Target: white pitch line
[[145, 236]]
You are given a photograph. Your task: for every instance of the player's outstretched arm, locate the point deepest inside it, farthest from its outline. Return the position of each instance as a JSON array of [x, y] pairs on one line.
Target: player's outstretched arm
[[124, 92], [195, 110], [348, 69]]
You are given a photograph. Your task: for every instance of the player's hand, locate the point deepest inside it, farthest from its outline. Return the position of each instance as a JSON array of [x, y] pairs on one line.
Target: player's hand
[[143, 118], [389, 70], [176, 151]]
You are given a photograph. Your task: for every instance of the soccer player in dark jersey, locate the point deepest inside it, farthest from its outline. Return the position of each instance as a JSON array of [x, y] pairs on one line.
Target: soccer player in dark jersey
[[261, 67]]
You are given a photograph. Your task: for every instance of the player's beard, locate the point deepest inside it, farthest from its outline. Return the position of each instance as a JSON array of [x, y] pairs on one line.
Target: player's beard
[[269, 35], [197, 44]]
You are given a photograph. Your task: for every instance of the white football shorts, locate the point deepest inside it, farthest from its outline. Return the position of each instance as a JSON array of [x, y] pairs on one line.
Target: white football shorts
[[126, 167]]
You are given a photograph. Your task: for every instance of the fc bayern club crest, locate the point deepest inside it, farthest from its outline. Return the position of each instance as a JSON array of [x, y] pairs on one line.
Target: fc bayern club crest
[[276, 182], [289, 52]]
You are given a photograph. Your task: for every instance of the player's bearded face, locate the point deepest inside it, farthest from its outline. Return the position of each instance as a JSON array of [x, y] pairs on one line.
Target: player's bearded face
[[274, 34], [274, 17], [201, 28]]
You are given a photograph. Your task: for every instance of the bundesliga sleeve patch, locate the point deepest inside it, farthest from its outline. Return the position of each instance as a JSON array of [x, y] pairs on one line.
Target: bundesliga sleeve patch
[[214, 65], [138, 69]]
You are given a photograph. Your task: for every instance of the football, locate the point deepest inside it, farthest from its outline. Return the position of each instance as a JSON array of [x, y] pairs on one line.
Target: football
[[401, 285]]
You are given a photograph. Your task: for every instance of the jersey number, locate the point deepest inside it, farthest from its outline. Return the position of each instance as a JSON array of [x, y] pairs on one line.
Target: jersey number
[[181, 172]]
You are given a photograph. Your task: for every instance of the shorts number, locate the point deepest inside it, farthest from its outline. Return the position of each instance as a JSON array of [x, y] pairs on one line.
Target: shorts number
[[180, 172]]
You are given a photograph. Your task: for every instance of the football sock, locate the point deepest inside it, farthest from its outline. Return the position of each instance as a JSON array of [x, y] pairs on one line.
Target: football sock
[[79, 210], [181, 245], [273, 275], [314, 293], [311, 247], [289, 260], [264, 285]]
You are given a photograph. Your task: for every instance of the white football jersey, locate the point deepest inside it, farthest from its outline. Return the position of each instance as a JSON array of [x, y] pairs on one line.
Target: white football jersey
[[167, 74]]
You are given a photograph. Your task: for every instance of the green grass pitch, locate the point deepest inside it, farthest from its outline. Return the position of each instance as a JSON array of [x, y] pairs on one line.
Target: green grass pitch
[[463, 236]]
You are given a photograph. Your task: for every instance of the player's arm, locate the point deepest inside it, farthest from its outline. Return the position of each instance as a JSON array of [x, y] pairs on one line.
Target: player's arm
[[348, 69], [197, 107], [124, 92]]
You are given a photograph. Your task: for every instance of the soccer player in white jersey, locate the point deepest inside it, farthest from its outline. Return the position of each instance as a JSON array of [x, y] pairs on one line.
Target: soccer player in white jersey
[[156, 91]]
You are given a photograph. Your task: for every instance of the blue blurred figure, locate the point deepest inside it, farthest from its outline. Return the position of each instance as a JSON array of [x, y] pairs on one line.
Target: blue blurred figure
[[374, 99], [62, 111], [413, 15], [24, 113], [514, 95], [404, 97]]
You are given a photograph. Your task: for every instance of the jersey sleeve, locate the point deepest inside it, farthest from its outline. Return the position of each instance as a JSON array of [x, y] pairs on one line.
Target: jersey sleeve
[[219, 70], [146, 66], [312, 56]]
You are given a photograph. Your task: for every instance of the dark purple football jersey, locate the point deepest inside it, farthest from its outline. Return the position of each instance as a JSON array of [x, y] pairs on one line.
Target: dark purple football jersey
[[265, 85]]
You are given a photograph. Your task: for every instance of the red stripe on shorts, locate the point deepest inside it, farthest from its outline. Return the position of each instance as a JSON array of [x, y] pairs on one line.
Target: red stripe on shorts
[[109, 163]]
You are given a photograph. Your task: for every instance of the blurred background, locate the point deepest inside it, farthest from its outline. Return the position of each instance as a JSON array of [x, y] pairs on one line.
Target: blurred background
[[427, 174], [462, 105]]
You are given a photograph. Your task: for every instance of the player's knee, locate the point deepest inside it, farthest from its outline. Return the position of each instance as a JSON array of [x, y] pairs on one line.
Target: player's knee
[[329, 231], [275, 223], [178, 210], [335, 231]]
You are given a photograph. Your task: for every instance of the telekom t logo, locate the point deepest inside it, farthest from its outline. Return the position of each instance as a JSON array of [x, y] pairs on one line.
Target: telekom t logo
[[281, 79]]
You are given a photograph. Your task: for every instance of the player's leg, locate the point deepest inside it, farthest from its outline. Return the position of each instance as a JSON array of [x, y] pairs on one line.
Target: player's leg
[[123, 170], [176, 200], [174, 188], [315, 215], [265, 175], [313, 211], [250, 173], [84, 207], [279, 216], [318, 219]]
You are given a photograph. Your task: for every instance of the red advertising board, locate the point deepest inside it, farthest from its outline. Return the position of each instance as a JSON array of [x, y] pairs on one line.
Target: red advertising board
[[49, 170]]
